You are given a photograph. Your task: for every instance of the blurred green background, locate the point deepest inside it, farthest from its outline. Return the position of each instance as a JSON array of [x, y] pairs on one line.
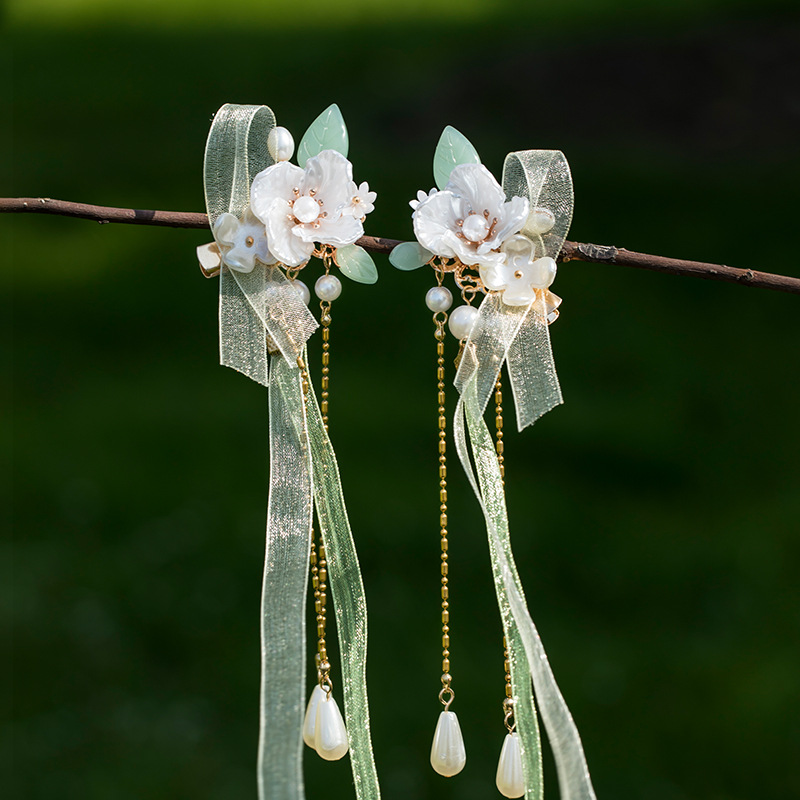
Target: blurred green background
[[655, 515]]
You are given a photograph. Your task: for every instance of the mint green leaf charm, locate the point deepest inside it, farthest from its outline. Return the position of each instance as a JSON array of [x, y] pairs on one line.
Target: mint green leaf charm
[[326, 132], [409, 255], [453, 149], [357, 264]]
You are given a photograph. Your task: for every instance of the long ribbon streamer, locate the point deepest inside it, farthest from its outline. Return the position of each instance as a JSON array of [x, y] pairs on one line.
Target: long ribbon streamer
[[519, 337], [349, 599], [264, 327], [527, 656]]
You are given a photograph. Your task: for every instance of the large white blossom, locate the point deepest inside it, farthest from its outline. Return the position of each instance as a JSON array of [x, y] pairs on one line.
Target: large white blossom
[[302, 206], [470, 218]]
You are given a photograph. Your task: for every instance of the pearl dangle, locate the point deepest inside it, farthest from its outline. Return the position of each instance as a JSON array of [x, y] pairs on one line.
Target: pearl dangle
[[448, 754], [323, 728]]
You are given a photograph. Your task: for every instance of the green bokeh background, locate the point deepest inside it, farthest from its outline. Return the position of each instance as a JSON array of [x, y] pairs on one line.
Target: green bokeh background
[[655, 515]]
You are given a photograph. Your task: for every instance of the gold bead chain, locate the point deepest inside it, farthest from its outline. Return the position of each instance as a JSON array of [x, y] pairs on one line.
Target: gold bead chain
[[498, 421], [508, 702], [325, 320], [439, 334]]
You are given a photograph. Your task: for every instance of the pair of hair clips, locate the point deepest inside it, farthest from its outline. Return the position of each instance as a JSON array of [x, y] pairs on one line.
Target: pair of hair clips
[[270, 217]]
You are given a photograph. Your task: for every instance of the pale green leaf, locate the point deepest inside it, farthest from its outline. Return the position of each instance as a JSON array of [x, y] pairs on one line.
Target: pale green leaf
[[409, 255], [453, 149], [326, 132], [357, 264]]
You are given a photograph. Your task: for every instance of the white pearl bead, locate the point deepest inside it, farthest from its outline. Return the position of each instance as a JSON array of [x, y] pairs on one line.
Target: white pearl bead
[[306, 209], [439, 298], [462, 320], [330, 734], [448, 754], [510, 781], [280, 144], [328, 287], [475, 227], [540, 221], [543, 272], [302, 290], [310, 722]]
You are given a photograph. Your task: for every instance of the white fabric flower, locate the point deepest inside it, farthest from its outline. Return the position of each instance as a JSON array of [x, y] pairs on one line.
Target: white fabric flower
[[303, 206], [362, 201], [470, 218], [519, 275], [242, 242]]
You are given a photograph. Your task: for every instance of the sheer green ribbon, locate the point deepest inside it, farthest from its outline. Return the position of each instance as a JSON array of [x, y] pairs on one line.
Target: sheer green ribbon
[[264, 327], [519, 336]]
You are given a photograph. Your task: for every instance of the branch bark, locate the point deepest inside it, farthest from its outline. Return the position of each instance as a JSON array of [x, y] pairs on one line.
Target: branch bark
[[572, 251]]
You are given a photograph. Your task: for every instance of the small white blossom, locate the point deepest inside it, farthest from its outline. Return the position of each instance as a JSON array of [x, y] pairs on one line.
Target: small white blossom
[[520, 274], [242, 242], [362, 201]]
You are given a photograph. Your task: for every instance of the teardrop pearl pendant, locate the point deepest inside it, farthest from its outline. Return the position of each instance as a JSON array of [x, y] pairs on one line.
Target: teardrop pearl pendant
[[510, 780], [448, 754], [324, 729]]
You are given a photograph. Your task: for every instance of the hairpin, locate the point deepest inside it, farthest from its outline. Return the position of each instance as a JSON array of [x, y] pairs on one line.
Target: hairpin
[[269, 218], [499, 243]]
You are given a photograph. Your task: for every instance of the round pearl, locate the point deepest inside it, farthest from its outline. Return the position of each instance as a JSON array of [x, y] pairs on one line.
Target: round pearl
[[438, 299], [540, 221], [328, 287], [543, 272], [280, 144], [302, 290], [462, 320], [475, 227], [306, 209]]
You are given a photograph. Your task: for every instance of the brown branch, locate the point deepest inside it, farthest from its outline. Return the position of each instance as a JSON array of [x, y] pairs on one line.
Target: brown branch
[[572, 251]]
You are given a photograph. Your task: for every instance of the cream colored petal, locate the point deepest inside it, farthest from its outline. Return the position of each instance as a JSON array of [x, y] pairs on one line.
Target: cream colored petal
[[513, 216], [273, 183], [226, 227], [479, 188], [288, 249], [338, 232], [435, 222], [329, 175]]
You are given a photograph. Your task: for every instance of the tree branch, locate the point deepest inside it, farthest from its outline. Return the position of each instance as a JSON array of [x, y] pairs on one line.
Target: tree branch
[[572, 251]]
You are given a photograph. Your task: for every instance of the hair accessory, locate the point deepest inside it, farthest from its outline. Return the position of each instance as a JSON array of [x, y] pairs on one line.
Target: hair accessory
[[269, 217], [501, 242]]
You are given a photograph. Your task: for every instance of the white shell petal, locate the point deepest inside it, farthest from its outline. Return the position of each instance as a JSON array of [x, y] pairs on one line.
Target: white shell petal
[[310, 722], [330, 734], [288, 249], [272, 183], [510, 780], [479, 188], [448, 755], [225, 228], [329, 174]]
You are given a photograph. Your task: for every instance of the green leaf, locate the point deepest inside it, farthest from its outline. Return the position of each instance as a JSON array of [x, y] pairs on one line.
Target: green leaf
[[326, 132], [409, 255], [453, 149], [357, 264]]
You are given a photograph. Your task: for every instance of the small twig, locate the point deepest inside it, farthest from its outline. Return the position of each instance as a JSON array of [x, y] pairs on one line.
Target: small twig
[[572, 251]]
